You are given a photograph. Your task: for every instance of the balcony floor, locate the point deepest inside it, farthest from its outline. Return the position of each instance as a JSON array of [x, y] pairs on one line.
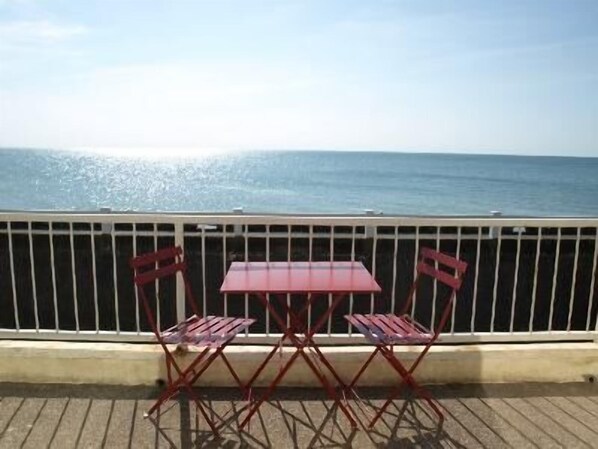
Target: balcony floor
[[532, 415]]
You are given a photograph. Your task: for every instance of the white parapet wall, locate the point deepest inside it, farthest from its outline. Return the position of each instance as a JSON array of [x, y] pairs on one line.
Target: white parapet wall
[[143, 364]]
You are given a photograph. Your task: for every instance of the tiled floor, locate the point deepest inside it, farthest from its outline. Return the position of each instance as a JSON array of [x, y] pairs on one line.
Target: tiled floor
[[533, 415]]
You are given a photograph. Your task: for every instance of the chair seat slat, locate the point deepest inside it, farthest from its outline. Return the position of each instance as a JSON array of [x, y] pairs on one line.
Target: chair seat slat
[[363, 329], [233, 327], [390, 329], [224, 334], [188, 327], [397, 326], [212, 332], [422, 329], [381, 323], [192, 321]]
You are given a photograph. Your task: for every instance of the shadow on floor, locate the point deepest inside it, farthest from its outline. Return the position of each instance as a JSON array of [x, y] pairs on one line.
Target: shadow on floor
[[534, 415], [316, 424]]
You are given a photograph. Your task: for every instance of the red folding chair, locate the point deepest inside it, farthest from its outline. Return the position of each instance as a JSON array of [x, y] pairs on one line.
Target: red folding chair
[[212, 333], [385, 331]]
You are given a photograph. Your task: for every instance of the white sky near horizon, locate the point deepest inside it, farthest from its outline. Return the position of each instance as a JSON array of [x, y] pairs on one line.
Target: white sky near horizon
[[515, 77]]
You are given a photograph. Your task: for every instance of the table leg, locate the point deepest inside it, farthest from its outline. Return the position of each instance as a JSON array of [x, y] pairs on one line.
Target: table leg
[[265, 361], [269, 391], [300, 345], [330, 390], [315, 328]]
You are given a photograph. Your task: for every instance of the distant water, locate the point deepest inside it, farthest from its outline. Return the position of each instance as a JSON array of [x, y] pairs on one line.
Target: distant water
[[295, 181]]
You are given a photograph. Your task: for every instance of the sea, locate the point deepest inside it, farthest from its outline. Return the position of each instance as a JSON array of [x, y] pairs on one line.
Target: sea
[[329, 182]]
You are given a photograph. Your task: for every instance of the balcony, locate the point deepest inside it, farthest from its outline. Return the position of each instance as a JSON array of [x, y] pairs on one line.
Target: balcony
[[527, 312]]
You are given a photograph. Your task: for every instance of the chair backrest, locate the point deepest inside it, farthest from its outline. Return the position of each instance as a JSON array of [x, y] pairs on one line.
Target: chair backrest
[[161, 264], [147, 266], [435, 265], [431, 261]]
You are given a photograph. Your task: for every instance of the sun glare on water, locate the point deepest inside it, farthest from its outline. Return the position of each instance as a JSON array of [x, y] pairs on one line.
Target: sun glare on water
[[156, 152]]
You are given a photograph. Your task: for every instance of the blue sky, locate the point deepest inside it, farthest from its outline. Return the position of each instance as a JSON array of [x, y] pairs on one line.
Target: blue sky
[[518, 77]]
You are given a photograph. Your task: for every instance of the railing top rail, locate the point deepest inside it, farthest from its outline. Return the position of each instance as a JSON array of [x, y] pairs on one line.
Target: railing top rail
[[295, 219]]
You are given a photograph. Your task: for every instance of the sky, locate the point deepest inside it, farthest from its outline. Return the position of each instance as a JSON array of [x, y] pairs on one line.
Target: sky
[[494, 76]]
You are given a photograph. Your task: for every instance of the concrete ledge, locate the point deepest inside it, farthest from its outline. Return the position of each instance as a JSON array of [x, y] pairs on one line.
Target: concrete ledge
[[143, 364]]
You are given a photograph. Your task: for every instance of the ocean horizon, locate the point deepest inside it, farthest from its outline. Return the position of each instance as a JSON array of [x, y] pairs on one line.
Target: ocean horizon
[[294, 181]]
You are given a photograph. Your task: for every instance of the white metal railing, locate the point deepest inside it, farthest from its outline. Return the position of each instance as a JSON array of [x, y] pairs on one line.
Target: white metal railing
[[65, 275]]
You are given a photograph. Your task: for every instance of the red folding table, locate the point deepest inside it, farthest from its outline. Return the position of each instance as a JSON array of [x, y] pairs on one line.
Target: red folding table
[[314, 280]]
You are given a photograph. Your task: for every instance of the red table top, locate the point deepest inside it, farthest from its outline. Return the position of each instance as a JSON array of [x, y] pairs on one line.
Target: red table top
[[299, 277]]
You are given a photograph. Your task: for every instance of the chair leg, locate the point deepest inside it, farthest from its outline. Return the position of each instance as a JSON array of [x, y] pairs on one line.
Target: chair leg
[[219, 352], [164, 396], [200, 407], [269, 390], [394, 393], [271, 354], [426, 396], [362, 369], [329, 389], [168, 371], [406, 379], [325, 362], [182, 382], [173, 386], [233, 372]]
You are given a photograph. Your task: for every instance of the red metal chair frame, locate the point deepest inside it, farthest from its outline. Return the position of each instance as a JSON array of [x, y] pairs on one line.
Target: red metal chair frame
[[210, 333], [385, 331]]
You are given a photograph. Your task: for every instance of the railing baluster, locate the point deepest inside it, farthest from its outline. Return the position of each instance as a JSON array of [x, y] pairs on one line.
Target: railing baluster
[[394, 270], [246, 237], [134, 287], [288, 260], [95, 280], [554, 278], [311, 241], [574, 277], [415, 259], [350, 328], [514, 295], [435, 283], [33, 281], [224, 263], [73, 272], [115, 277], [181, 294], [535, 285], [474, 299], [455, 303], [374, 256], [157, 281], [496, 272], [268, 295], [203, 271], [53, 269], [592, 290], [12, 277], [331, 259]]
